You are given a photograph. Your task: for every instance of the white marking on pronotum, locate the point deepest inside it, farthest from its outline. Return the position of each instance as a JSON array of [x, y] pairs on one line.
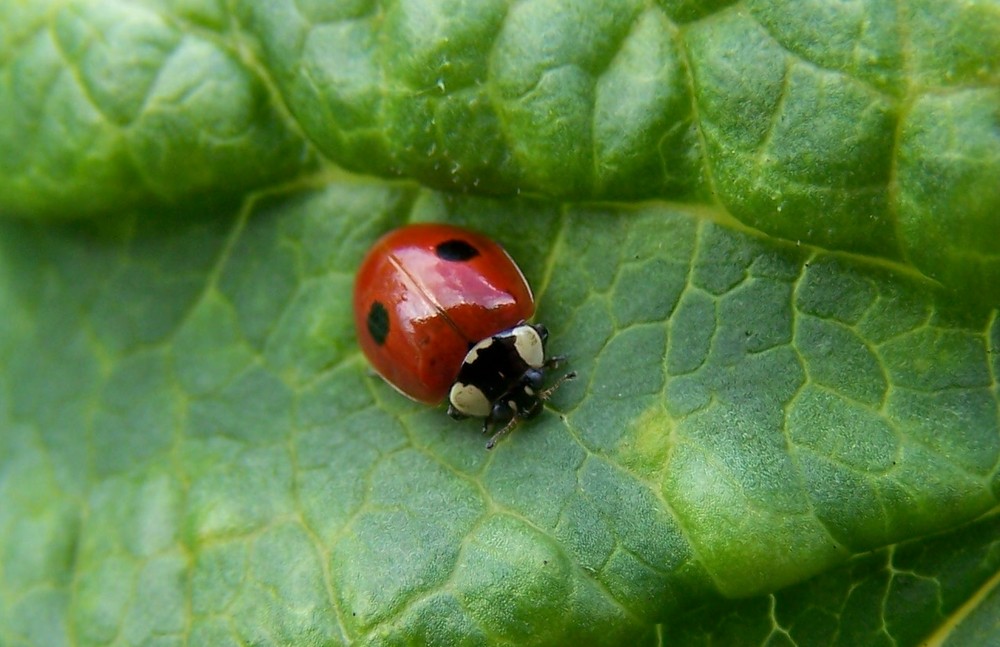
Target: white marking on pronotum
[[473, 353], [469, 400], [528, 343]]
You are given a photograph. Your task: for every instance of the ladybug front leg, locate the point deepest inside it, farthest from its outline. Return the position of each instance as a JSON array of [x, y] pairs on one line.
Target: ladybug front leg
[[554, 361], [547, 393], [503, 432], [502, 412], [455, 413]]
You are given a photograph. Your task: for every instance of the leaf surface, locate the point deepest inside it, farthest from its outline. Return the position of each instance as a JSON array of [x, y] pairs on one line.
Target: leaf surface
[[762, 232]]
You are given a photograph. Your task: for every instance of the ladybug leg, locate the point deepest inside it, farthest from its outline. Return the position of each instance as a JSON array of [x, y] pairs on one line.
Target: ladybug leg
[[503, 432], [554, 361], [503, 411], [547, 393], [455, 413]]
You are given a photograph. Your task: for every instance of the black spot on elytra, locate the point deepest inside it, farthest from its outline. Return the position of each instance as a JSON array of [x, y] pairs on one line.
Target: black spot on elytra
[[455, 250], [378, 322]]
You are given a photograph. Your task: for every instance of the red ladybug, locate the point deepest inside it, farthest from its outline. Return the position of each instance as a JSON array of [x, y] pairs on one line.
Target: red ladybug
[[440, 311]]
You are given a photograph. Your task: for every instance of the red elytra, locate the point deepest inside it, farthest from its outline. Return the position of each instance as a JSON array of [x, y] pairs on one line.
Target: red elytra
[[424, 294]]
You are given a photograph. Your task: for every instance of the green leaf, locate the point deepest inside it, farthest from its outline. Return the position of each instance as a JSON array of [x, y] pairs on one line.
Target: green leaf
[[749, 414], [112, 105], [763, 233], [896, 595]]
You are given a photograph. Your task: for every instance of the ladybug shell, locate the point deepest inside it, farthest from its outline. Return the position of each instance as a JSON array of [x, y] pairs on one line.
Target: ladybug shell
[[424, 295]]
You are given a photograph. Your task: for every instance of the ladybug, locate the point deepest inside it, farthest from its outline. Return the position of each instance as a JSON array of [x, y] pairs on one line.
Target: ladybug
[[442, 311]]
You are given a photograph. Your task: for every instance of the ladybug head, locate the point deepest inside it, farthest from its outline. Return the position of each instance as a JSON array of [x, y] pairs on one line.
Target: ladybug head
[[522, 400]]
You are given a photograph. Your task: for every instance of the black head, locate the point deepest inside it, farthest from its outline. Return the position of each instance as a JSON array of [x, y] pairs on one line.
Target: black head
[[523, 400]]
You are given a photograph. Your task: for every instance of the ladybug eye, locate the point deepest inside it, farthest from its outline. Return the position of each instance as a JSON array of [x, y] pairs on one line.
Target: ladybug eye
[[378, 322], [455, 250]]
